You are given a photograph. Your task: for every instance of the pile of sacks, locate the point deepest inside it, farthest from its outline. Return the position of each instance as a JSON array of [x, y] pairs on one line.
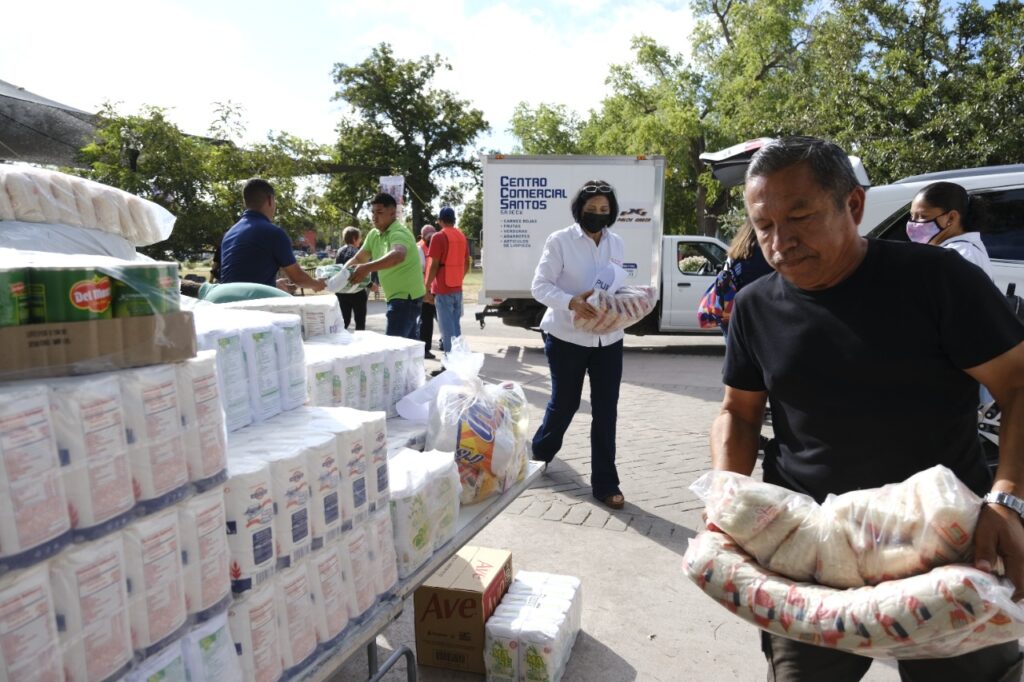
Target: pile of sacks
[[893, 544]]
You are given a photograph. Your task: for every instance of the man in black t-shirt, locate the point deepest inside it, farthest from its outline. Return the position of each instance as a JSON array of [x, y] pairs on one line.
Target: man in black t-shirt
[[871, 353]]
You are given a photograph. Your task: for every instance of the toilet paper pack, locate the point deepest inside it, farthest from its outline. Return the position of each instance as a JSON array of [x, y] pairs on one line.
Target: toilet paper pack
[[29, 647], [321, 315], [411, 512], [89, 424], [210, 652], [202, 522], [204, 420], [91, 602], [262, 368], [232, 376], [291, 360], [249, 514], [252, 622], [330, 599], [319, 380], [154, 430], [444, 491], [166, 666], [295, 621], [156, 586], [34, 522]]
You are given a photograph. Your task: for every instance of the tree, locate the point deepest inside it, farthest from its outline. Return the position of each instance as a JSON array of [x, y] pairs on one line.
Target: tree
[[548, 129], [402, 122]]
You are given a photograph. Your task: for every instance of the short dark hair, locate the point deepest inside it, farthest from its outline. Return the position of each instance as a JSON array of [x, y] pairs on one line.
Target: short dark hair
[[591, 189], [950, 196], [190, 288], [256, 193], [350, 234], [829, 164], [383, 199]]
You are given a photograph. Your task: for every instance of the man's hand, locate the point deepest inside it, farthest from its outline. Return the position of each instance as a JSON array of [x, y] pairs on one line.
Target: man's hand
[[319, 284], [360, 273], [579, 305], [428, 298], [1000, 533], [286, 285]]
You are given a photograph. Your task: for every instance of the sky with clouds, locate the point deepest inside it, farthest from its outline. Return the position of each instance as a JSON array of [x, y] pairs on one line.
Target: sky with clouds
[[275, 59]]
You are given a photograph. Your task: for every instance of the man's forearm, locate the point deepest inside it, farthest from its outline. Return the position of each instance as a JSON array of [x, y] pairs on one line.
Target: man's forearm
[[388, 260], [734, 444], [302, 279], [1010, 473]]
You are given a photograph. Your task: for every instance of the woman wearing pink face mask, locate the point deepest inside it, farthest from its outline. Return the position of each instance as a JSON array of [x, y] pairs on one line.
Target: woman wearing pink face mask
[[944, 214]]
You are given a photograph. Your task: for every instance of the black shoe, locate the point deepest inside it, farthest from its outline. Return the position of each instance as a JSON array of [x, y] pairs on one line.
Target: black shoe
[[436, 372], [427, 355]]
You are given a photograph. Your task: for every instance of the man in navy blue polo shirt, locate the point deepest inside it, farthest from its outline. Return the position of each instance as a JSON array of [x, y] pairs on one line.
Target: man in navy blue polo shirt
[[254, 249]]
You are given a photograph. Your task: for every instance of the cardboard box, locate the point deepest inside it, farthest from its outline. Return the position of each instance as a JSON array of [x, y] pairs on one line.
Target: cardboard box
[[453, 606], [34, 351]]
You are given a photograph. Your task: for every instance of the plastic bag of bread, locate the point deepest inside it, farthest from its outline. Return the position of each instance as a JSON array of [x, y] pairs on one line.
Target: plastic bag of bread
[[948, 611], [863, 537], [624, 308]]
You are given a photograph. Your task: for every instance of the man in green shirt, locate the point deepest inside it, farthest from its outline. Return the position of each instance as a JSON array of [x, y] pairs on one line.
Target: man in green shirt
[[390, 250]]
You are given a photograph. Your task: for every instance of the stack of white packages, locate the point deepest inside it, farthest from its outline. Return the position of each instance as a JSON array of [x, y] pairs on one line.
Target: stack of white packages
[[325, 520], [206, 554], [156, 444], [202, 413], [356, 544], [210, 652], [291, 360], [444, 490], [232, 371], [320, 315], [262, 368], [424, 505], [34, 522], [383, 558], [31, 649], [89, 424], [156, 585], [331, 594], [91, 602], [295, 616], [350, 436], [253, 625], [320, 376], [249, 514], [531, 634]]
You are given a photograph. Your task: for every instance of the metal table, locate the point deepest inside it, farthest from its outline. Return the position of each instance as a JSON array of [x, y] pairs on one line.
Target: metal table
[[472, 520]]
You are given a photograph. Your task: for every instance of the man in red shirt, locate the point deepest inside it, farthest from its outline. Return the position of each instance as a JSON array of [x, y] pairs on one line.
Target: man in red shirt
[[448, 261]]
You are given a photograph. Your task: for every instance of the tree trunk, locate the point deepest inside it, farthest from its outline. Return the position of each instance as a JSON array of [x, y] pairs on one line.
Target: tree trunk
[[707, 224]]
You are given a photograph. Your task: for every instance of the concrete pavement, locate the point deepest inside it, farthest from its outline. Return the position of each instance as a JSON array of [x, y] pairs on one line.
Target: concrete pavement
[[642, 619]]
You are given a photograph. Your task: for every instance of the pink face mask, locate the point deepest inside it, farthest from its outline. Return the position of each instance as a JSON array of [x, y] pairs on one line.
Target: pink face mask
[[923, 232]]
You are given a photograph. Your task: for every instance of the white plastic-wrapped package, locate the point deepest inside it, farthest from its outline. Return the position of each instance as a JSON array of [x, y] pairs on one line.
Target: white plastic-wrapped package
[[262, 367], [381, 536], [203, 417], [348, 368], [289, 481], [89, 425], [155, 441], [950, 610], [156, 585], [253, 625], [375, 433], [291, 360], [348, 585], [410, 511], [443, 494], [232, 371], [350, 436], [330, 599], [403, 433], [210, 652], [29, 645], [325, 519], [167, 666], [861, 537], [356, 544], [319, 380], [624, 308], [202, 521], [249, 514], [91, 603], [295, 618], [321, 315], [34, 522]]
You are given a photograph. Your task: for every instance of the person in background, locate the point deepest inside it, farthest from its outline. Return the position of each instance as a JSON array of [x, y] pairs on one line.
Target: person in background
[[354, 304], [390, 250], [449, 261], [427, 312], [572, 261], [254, 249], [745, 261], [227, 293], [944, 214]]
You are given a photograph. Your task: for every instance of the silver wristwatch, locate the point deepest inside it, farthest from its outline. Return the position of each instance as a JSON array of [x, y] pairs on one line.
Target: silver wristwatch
[[1007, 500]]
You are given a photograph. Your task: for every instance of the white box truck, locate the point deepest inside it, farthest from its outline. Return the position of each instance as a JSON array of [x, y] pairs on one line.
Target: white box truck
[[526, 198]]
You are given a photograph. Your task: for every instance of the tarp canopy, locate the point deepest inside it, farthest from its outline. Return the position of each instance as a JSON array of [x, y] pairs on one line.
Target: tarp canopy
[[34, 129]]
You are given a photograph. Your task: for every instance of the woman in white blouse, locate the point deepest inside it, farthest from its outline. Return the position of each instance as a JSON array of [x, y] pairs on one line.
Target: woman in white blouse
[[573, 261], [944, 214]]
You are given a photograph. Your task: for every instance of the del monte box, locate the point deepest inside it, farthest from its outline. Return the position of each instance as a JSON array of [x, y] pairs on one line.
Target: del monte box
[[453, 606]]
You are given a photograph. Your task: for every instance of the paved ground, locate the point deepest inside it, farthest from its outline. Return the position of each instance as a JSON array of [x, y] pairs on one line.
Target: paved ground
[[642, 619]]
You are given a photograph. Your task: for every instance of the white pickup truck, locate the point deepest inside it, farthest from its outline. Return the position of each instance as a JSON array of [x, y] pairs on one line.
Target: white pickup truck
[[526, 198]]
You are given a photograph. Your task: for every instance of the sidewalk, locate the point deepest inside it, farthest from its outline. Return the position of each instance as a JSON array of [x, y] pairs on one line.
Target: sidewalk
[[642, 619]]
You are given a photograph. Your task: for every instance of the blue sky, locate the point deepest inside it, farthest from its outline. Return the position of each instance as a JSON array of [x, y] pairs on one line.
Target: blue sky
[[275, 60]]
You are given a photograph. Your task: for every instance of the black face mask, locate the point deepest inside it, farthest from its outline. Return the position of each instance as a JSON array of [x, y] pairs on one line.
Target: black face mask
[[594, 222]]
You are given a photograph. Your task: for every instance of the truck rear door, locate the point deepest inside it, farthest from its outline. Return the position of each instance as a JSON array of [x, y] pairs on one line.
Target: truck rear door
[[689, 266]]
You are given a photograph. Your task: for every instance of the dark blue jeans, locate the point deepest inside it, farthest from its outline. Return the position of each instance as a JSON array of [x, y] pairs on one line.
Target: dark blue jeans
[[403, 318], [569, 363]]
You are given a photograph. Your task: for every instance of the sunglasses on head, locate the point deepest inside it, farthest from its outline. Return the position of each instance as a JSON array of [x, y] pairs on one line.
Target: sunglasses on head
[[596, 189]]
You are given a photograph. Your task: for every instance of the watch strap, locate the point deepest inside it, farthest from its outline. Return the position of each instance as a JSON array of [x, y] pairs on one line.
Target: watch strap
[[1006, 500]]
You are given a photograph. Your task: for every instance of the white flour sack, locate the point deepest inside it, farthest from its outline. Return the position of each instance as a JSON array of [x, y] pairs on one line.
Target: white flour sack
[[202, 411], [261, 367], [291, 360], [34, 521], [89, 424], [166, 666], [376, 432], [350, 437], [206, 553], [249, 514], [289, 483], [91, 602], [253, 625], [319, 378], [356, 544], [325, 520], [156, 587], [381, 536], [210, 652], [155, 443], [29, 648], [295, 621], [330, 600]]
